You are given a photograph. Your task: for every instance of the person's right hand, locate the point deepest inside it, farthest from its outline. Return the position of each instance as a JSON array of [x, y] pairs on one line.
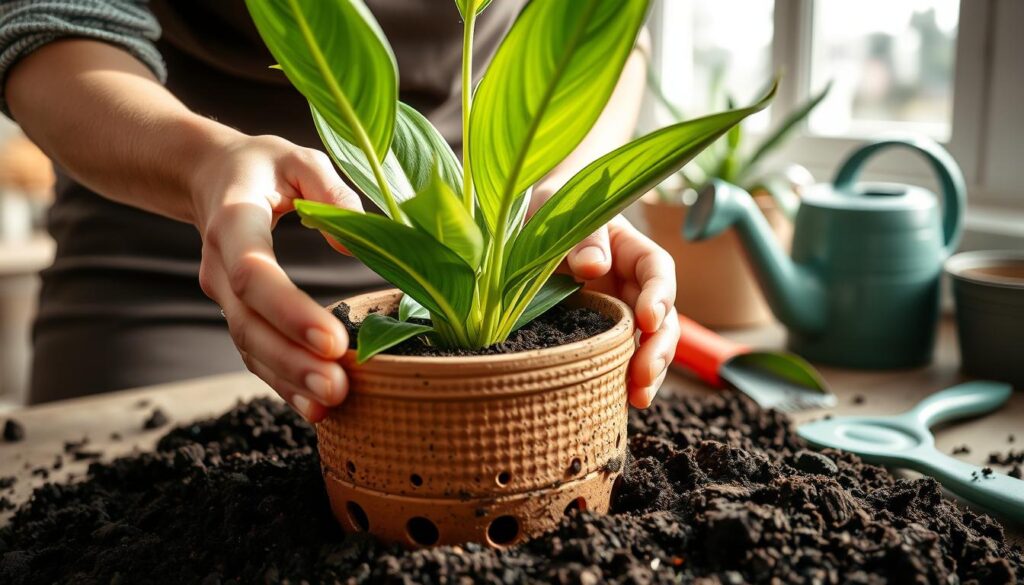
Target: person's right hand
[[286, 338]]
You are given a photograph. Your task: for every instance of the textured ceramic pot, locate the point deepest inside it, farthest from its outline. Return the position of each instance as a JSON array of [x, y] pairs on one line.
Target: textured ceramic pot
[[490, 449], [988, 288], [714, 284]]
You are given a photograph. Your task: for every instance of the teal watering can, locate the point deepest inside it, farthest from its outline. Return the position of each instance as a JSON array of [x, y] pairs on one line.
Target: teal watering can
[[861, 289]]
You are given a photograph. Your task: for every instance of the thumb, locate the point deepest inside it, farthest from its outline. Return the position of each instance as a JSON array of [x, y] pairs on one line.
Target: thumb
[[316, 180], [591, 258]]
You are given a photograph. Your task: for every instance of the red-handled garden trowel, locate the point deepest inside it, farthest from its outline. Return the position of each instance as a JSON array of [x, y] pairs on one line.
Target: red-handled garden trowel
[[774, 379]]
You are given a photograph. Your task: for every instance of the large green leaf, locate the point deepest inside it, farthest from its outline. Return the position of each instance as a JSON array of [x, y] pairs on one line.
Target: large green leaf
[[380, 332], [420, 149], [605, 187], [408, 308], [335, 54], [415, 151], [476, 6], [545, 88], [438, 211], [407, 258], [557, 288]]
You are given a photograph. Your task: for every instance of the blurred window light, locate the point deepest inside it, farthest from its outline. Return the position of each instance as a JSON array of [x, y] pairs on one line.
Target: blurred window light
[[891, 63], [710, 54]]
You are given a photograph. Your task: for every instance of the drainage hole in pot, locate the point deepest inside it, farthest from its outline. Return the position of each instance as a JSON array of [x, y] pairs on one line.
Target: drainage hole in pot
[[422, 531], [503, 478], [577, 505], [575, 466], [503, 530], [350, 467], [415, 480], [357, 517]]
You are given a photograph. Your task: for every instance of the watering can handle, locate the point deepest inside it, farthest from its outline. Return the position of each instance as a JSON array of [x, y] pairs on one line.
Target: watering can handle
[[951, 180]]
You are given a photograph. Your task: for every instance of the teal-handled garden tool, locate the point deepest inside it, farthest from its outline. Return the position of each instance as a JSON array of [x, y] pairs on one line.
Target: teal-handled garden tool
[[904, 440]]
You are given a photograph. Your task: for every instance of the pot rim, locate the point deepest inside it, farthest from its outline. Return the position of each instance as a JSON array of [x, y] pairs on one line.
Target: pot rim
[[622, 329], [958, 265]]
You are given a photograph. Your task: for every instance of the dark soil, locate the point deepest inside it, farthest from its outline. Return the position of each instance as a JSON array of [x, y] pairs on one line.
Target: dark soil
[[715, 491], [1014, 460], [13, 431], [558, 326], [156, 419]]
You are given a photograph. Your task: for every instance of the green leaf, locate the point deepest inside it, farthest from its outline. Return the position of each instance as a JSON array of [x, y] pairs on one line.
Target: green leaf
[[438, 211], [335, 54], [408, 308], [379, 332], [730, 156], [545, 88], [554, 291], [416, 149], [785, 366], [783, 132], [407, 258], [471, 6], [608, 185], [420, 149]]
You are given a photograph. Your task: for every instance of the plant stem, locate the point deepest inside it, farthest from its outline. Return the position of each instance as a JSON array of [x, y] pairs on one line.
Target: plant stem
[[495, 268], [347, 112], [467, 105]]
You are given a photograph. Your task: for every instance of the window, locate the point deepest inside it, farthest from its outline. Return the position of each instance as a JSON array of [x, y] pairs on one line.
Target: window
[[949, 69], [891, 64], [704, 64]]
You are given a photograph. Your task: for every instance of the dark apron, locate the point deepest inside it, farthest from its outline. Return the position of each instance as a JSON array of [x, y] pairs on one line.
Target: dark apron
[[121, 306]]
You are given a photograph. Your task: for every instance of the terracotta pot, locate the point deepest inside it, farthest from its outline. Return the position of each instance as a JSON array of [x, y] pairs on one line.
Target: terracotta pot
[[715, 286], [491, 449]]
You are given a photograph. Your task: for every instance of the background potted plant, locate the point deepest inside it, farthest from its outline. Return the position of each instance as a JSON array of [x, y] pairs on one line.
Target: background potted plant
[[714, 285], [491, 448]]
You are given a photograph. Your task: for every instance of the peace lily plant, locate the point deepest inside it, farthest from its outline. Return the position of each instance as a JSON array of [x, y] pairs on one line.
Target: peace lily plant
[[454, 237]]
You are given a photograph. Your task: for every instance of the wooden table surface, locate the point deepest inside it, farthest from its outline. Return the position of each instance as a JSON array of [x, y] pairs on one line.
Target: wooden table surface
[[49, 426]]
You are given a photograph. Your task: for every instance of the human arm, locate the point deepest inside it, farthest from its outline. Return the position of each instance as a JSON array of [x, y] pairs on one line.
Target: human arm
[[104, 117]]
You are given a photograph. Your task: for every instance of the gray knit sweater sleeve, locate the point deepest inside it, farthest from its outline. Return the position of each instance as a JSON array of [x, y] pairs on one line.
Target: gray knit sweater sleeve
[[26, 25]]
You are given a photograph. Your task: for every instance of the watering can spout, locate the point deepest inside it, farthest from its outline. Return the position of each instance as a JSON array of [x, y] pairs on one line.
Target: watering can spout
[[794, 293]]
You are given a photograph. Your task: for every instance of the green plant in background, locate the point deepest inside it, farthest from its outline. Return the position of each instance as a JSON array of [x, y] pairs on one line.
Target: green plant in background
[[453, 237], [731, 159]]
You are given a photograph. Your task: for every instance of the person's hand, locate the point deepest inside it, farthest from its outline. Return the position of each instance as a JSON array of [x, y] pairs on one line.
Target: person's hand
[[620, 261], [283, 335]]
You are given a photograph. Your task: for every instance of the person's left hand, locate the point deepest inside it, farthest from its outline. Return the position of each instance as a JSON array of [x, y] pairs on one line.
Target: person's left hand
[[620, 261]]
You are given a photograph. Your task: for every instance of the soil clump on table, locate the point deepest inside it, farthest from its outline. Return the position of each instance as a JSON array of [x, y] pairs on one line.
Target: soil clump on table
[[714, 490], [558, 326]]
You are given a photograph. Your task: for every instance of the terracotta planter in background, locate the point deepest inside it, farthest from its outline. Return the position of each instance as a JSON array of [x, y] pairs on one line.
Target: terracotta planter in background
[[715, 287], [491, 449]]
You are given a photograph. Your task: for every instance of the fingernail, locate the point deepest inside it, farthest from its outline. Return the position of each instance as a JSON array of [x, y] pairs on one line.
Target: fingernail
[[652, 392], [302, 404], [590, 255], [659, 315], [319, 385], [321, 341], [657, 367]]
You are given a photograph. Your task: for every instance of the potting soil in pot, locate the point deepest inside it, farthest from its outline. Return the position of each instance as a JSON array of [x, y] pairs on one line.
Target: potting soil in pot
[[715, 488], [557, 326]]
